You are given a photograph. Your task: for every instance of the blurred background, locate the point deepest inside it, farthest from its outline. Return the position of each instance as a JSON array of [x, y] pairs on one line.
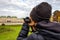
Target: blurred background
[[12, 13]]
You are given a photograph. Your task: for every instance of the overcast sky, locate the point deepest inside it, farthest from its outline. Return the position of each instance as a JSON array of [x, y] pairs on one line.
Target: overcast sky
[[22, 8]]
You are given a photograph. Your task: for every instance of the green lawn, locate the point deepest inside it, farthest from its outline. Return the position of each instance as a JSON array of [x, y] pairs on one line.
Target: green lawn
[[9, 32]]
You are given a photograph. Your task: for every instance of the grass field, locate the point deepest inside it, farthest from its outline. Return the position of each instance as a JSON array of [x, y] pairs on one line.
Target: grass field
[[9, 32]]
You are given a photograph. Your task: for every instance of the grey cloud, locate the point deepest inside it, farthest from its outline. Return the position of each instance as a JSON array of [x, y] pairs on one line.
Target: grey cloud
[[6, 4], [5, 13], [15, 7], [3, 2]]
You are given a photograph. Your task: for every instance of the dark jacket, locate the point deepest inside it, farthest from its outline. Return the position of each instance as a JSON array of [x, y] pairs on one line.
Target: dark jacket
[[46, 31]]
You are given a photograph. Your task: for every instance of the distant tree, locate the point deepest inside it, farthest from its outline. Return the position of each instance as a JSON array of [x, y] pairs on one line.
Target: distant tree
[[2, 16], [14, 17], [8, 16]]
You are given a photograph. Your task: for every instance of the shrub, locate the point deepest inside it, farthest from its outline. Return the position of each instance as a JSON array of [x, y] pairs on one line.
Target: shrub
[[3, 24]]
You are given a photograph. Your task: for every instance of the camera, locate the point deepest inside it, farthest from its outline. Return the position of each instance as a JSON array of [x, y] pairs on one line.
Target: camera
[[27, 20]]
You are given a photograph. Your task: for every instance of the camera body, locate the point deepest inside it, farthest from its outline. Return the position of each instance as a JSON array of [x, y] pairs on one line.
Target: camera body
[[27, 20]]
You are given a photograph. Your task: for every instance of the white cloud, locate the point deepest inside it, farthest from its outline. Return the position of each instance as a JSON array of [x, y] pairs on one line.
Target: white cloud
[[22, 8]]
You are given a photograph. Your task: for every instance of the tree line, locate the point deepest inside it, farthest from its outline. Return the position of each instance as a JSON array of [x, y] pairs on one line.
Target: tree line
[[8, 17]]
